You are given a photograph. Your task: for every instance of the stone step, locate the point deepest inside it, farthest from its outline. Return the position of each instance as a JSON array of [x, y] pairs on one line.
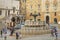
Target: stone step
[[35, 32], [32, 33]]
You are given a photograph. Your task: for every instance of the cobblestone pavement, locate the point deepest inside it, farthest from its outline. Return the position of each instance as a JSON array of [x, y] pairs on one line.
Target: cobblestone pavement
[[37, 37]]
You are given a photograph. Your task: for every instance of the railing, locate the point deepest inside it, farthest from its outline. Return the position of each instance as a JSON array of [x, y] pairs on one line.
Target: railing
[[34, 23]]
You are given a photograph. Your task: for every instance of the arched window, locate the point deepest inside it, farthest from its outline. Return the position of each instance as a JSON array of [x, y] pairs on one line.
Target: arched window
[[47, 19], [55, 20], [55, 14]]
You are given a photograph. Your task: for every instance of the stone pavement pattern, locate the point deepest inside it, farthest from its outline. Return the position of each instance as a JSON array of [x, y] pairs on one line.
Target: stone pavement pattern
[[37, 37]]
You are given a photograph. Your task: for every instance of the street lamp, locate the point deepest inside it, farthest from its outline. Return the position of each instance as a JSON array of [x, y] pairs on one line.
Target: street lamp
[[35, 15]]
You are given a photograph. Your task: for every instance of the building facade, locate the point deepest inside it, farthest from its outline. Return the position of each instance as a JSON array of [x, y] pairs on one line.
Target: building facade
[[23, 9], [8, 9], [48, 10]]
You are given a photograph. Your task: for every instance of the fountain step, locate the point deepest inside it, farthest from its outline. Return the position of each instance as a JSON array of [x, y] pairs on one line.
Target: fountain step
[[33, 31]]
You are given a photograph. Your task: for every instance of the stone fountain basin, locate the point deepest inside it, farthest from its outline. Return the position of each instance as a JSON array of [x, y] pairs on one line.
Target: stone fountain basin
[[29, 31]]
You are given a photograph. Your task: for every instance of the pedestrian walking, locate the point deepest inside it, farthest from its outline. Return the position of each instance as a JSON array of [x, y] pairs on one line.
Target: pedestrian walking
[[5, 36], [1, 33], [17, 35], [52, 32], [12, 31], [55, 31], [4, 30]]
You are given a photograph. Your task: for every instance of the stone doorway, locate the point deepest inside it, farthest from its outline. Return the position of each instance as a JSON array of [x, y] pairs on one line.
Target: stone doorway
[[47, 19], [55, 20]]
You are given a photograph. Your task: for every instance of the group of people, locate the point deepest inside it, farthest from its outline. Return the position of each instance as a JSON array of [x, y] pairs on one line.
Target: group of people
[[54, 32], [17, 33], [4, 34], [3, 31]]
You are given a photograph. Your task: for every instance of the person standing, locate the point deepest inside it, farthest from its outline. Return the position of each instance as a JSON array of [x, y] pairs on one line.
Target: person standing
[[5, 36], [12, 31], [17, 35], [52, 32], [1, 33], [55, 31]]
